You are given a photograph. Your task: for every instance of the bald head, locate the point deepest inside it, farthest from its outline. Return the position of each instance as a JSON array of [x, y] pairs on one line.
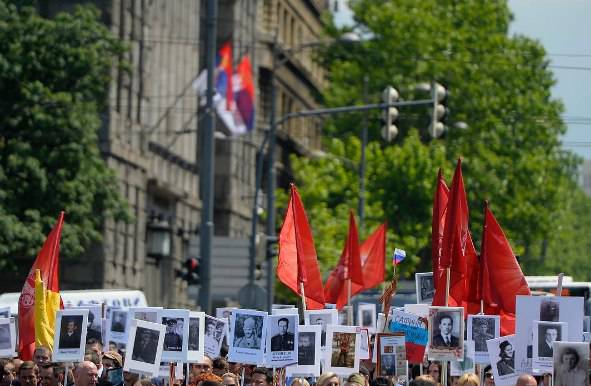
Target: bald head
[[85, 374], [526, 380]]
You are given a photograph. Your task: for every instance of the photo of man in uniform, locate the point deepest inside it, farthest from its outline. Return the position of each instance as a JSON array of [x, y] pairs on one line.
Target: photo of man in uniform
[[306, 349], [93, 330], [343, 349], [320, 321], [481, 332], [284, 340], [194, 334], [249, 337], [145, 345], [70, 332], [172, 339], [387, 364], [445, 337], [427, 288], [118, 321]]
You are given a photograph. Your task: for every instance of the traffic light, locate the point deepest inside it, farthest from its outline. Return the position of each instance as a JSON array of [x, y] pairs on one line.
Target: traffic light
[[272, 247], [439, 110], [190, 271], [390, 114]]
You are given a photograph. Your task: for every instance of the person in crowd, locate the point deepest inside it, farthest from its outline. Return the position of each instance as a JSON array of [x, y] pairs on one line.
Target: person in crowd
[[365, 372], [28, 374], [112, 360], [51, 374], [205, 366], [434, 370], [94, 345], [299, 382], [42, 355], [526, 380], [328, 379], [220, 366], [129, 379], [506, 365], [489, 378], [230, 379], [355, 379], [423, 380], [7, 374], [469, 380], [204, 378], [85, 374], [261, 377]]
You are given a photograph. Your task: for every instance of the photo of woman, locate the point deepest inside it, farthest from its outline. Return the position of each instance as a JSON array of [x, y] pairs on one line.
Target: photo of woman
[[506, 365]]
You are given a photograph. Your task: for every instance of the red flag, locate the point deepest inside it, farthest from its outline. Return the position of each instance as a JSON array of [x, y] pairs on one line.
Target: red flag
[[348, 268], [454, 245], [502, 278], [47, 262], [438, 225], [373, 260], [298, 262]]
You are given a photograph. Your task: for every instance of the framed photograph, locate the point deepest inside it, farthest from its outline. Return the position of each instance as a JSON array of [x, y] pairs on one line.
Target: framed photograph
[[248, 335], [391, 355], [342, 357], [567, 309], [5, 312], [309, 352], [7, 338], [545, 334], [195, 341], [571, 363], [117, 326], [502, 359], [346, 316], [144, 352], [147, 314], [480, 329], [366, 316], [467, 364], [282, 347], [425, 287], [175, 344], [224, 312], [446, 332], [364, 352], [321, 318], [70, 335], [94, 328], [215, 331]]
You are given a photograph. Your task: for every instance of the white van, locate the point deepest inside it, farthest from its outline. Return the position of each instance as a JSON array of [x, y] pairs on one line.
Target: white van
[[115, 297]]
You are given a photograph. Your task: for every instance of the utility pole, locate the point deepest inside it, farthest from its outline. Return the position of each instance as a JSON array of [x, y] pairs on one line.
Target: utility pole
[[207, 169], [364, 134]]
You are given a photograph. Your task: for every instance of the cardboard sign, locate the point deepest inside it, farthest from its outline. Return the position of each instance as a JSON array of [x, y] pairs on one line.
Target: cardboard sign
[[415, 331]]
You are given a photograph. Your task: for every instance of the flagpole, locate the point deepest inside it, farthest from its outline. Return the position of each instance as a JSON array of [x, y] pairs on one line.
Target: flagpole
[[349, 291], [303, 295], [444, 363]]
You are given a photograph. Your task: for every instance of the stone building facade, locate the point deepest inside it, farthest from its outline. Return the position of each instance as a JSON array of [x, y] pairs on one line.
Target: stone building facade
[[150, 135]]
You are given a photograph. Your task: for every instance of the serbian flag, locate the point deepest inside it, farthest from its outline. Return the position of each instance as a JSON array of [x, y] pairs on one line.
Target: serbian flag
[[348, 268], [298, 262], [438, 225], [373, 260], [245, 93], [224, 72], [502, 278], [454, 245], [47, 264]]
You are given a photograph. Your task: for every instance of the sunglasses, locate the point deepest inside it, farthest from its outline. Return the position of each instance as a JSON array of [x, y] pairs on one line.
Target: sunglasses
[[488, 375]]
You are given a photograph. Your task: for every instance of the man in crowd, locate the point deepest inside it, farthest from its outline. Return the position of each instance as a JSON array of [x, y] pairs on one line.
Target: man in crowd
[[284, 341], [41, 355], [8, 374], [28, 374], [205, 366], [526, 380], [51, 374], [445, 338], [85, 374], [260, 377]]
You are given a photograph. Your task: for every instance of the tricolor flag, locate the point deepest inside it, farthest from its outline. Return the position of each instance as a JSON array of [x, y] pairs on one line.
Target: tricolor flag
[[398, 256]]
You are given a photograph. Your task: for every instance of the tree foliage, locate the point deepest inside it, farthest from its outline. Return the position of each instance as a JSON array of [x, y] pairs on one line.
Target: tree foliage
[[512, 156], [54, 76]]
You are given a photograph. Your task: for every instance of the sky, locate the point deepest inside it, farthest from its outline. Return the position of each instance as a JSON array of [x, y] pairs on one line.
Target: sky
[[564, 29]]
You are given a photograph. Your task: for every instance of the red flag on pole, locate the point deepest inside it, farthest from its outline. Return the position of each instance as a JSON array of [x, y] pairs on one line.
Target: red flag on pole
[[454, 245], [298, 262], [348, 268], [47, 262], [438, 225], [502, 278], [373, 260]]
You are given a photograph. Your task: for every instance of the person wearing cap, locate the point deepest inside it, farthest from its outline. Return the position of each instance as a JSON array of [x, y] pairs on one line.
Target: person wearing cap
[[250, 338], [506, 365], [480, 334], [172, 340]]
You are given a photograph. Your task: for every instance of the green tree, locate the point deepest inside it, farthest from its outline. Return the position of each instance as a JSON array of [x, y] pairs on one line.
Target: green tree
[[54, 76], [499, 84]]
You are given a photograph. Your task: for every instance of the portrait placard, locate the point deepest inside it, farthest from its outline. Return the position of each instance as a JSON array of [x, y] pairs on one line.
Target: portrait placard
[[117, 325], [224, 312], [70, 335], [175, 345], [147, 314], [567, 309], [364, 351], [425, 287], [247, 336], [7, 338], [545, 334], [391, 354], [94, 328], [5, 312], [195, 341], [144, 351], [366, 316], [571, 363], [502, 359], [446, 332], [215, 331], [415, 329], [467, 364], [321, 318], [282, 345], [342, 355], [346, 316], [480, 329], [308, 352]]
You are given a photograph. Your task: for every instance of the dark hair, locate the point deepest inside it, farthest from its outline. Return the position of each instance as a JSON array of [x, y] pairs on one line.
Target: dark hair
[[445, 316], [57, 368], [283, 320], [570, 351], [220, 363], [91, 341], [28, 365], [93, 357], [263, 371], [210, 383], [502, 347]]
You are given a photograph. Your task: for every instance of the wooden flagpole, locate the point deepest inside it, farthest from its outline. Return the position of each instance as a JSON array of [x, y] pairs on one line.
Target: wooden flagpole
[[444, 363], [303, 295]]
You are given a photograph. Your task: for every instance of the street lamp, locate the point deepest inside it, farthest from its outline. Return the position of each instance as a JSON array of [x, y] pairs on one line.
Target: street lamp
[[159, 238]]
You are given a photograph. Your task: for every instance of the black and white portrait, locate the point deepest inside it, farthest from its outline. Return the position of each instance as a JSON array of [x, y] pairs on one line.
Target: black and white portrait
[[148, 314], [571, 364], [194, 334], [425, 287], [173, 339], [446, 332], [248, 331], [118, 320], [145, 345], [502, 359], [549, 309], [306, 349], [94, 325], [5, 339], [70, 332], [215, 330], [547, 334], [175, 345], [281, 340], [366, 316], [387, 364], [506, 363], [249, 335], [309, 352], [321, 318], [195, 340], [482, 328], [346, 316]]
